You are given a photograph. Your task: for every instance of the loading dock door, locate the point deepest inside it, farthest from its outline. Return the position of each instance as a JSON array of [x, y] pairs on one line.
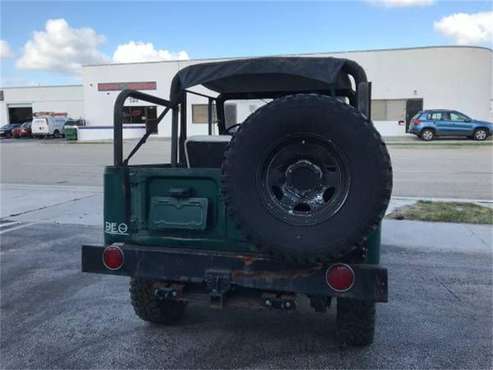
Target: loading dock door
[[413, 106], [20, 113]]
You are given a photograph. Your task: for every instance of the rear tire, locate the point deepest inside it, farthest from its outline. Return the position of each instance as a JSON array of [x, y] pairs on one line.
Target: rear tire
[[307, 178], [355, 322], [151, 309], [427, 134], [480, 134]]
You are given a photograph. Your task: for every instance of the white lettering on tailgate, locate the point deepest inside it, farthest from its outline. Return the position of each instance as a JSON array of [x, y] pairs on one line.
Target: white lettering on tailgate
[[115, 228]]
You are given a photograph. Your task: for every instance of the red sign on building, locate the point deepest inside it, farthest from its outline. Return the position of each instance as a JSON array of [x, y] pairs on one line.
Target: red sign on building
[[117, 86]]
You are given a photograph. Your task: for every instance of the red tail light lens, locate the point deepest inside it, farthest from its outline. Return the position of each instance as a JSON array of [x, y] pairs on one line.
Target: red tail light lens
[[113, 257], [417, 122], [340, 277]]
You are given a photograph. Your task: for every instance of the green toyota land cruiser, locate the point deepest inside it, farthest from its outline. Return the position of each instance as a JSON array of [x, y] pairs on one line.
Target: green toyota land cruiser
[[283, 207]]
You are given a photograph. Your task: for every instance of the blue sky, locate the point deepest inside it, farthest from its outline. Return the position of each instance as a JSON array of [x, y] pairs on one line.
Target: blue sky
[[217, 29]]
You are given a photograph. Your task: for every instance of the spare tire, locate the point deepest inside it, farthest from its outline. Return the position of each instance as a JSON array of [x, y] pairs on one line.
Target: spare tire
[[307, 178]]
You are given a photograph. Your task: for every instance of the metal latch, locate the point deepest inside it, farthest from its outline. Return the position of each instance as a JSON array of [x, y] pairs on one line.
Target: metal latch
[[180, 192]]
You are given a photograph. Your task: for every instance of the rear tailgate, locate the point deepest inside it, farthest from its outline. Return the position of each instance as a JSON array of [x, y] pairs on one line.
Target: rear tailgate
[[40, 126], [172, 207]]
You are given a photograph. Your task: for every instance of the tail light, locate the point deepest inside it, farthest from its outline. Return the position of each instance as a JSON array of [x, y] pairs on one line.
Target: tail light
[[417, 122], [113, 257], [340, 277]]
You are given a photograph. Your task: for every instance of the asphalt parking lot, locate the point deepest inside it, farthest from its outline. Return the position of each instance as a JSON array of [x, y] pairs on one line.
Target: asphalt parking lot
[[446, 171], [53, 316]]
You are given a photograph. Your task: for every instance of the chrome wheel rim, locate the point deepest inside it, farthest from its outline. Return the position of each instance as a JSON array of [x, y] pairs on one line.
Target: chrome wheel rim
[[480, 135], [427, 135]]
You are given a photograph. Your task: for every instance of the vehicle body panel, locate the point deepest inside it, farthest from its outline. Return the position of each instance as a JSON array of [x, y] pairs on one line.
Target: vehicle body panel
[[75, 122], [247, 270], [48, 125], [23, 131], [128, 196], [6, 130]]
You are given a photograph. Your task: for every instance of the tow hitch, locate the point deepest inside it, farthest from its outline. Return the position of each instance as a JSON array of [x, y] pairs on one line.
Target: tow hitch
[[169, 292], [218, 283], [279, 301]]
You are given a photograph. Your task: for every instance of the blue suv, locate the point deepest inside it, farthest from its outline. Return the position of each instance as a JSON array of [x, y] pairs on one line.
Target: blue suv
[[428, 124]]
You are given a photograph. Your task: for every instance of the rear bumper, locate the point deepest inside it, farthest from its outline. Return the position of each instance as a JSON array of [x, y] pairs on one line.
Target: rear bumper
[[248, 271]]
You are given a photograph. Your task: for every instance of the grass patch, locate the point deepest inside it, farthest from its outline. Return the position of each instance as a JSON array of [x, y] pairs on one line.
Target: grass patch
[[469, 213]]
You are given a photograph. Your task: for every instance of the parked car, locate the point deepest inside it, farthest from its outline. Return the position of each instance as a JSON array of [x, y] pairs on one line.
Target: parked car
[[429, 124], [6, 130], [75, 122], [23, 130], [48, 126]]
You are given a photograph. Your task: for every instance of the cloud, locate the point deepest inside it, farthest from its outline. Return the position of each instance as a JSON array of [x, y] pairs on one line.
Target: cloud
[[145, 52], [5, 50], [61, 48], [467, 28], [401, 3]]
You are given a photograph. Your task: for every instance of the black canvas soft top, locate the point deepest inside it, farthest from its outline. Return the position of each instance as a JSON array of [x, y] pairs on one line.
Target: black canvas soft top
[[267, 77], [268, 74]]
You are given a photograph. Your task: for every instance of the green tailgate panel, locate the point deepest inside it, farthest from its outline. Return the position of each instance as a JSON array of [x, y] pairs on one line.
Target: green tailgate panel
[[139, 208], [172, 213], [142, 207]]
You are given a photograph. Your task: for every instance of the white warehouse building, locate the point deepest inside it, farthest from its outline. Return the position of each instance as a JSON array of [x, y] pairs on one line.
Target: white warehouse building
[[403, 80], [17, 104]]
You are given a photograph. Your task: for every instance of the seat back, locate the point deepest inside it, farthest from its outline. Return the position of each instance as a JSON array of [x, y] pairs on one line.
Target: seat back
[[206, 150]]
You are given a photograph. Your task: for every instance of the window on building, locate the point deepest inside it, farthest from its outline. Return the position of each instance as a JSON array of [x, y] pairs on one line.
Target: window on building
[[379, 110], [388, 109], [139, 114], [200, 113]]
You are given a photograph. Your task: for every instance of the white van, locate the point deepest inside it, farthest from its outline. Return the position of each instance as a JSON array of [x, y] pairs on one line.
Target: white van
[[48, 126]]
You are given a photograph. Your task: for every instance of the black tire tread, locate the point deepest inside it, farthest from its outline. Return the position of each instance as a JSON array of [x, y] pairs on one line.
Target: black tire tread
[[380, 203], [355, 322], [149, 308]]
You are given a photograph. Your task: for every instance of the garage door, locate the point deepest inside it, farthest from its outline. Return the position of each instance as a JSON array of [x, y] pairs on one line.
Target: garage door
[[19, 113]]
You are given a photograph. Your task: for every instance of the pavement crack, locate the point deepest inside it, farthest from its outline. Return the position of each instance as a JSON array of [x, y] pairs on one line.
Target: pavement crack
[[486, 244], [48, 206], [448, 289]]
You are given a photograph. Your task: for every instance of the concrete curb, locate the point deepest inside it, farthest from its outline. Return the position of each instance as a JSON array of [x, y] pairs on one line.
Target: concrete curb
[[412, 140], [437, 236], [456, 200]]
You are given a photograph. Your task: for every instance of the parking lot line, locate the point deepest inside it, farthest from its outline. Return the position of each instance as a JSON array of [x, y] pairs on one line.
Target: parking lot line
[[5, 223], [15, 228]]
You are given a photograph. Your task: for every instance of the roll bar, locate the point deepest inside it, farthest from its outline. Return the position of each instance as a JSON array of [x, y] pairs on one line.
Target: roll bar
[[359, 98], [363, 87], [118, 122]]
